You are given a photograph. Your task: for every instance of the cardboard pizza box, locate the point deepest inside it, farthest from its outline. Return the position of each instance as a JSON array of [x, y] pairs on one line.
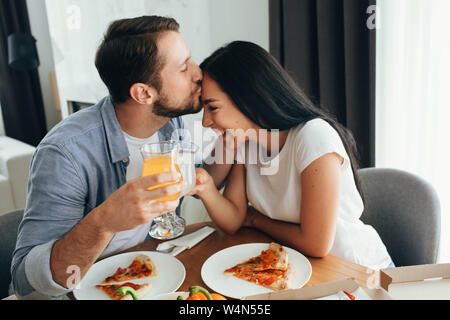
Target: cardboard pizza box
[[420, 282], [325, 291]]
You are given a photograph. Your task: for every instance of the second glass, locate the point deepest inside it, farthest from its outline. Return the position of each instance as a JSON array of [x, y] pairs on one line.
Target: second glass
[[169, 156]]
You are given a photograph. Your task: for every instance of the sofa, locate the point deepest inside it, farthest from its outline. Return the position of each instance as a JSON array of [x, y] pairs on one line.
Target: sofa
[[15, 159]]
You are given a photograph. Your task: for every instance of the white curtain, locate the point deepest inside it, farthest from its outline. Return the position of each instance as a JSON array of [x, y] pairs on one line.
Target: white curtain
[[413, 95]]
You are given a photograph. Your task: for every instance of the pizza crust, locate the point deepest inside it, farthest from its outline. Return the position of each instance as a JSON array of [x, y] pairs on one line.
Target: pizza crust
[[281, 253], [148, 263]]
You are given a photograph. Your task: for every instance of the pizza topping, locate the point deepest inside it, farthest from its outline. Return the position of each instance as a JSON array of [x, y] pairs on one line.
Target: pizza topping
[[119, 291], [117, 286], [141, 267], [124, 290], [266, 277], [268, 258]]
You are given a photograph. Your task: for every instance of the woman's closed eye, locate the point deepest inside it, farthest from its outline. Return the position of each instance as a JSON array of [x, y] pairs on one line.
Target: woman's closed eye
[[212, 108]]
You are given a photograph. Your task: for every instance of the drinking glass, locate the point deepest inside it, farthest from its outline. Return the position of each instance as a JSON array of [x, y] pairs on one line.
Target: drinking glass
[[169, 156]]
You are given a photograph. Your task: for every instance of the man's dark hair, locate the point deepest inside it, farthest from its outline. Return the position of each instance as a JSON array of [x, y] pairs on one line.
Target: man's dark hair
[[128, 54]]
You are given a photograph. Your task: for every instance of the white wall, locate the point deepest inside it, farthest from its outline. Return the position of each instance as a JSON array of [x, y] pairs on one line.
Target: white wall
[[39, 29], [239, 20]]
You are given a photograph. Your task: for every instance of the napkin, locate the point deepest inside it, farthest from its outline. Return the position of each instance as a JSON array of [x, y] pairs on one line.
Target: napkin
[[185, 242]]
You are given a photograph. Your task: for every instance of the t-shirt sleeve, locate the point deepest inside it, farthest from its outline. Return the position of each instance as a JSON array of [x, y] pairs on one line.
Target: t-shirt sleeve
[[315, 139]]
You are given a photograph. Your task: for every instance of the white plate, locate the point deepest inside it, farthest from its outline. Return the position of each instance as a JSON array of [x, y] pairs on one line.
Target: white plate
[[171, 274], [214, 266]]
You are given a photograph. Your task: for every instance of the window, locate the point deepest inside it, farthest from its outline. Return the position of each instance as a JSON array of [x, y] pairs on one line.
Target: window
[[413, 81]]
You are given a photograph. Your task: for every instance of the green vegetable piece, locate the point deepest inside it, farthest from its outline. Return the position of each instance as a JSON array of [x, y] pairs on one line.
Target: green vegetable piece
[[122, 291], [194, 289], [180, 298]]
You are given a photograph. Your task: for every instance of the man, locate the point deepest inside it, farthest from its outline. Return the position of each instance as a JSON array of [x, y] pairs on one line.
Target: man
[[85, 197]]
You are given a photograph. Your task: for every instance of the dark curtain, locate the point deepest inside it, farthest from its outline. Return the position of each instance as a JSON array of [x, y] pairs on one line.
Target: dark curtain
[[20, 91], [329, 50]]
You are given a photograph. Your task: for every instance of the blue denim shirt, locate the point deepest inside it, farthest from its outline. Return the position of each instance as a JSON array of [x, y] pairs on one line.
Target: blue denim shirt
[[78, 164]]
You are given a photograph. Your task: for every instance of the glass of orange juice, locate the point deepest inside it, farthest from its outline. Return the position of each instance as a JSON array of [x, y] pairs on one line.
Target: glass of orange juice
[[169, 156]]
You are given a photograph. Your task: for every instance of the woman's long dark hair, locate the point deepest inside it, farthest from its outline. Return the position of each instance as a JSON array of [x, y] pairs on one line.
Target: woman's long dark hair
[[265, 93]]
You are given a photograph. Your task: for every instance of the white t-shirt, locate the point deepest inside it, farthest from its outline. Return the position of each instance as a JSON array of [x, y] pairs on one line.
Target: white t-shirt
[[129, 238], [136, 163], [278, 196]]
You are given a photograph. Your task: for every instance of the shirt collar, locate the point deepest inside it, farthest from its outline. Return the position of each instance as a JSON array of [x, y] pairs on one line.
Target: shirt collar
[[115, 139]]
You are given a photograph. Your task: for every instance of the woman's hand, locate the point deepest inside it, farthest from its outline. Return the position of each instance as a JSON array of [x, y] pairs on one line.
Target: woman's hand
[[204, 183], [249, 218]]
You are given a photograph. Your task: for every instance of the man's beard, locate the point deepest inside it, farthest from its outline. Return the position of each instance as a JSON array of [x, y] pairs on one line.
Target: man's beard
[[162, 107]]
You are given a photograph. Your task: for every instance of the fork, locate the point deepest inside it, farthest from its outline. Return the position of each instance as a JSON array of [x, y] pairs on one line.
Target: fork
[[173, 250], [169, 250]]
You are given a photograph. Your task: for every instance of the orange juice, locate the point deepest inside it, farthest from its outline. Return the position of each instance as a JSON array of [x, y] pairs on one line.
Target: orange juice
[[161, 164]]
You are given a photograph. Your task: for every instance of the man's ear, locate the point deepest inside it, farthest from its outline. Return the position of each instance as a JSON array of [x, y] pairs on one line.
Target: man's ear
[[143, 93]]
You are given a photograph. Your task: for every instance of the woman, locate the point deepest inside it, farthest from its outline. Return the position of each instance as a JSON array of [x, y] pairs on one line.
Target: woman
[[312, 202]]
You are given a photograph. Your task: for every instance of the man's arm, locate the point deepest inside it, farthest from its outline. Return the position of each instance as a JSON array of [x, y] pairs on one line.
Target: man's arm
[[54, 234], [127, 208], [55, 204], [78, 250]]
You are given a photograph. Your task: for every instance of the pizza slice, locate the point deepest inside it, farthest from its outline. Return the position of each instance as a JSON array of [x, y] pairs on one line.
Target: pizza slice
[[141, 267], [110, 290], [269, 269]]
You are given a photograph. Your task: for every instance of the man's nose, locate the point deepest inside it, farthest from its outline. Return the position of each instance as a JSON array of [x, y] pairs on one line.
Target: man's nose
[[198, 74]]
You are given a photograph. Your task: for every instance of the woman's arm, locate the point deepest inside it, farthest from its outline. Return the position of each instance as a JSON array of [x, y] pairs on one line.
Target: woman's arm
[[219, 173], [314, 236], [221, 159], [228, 211]]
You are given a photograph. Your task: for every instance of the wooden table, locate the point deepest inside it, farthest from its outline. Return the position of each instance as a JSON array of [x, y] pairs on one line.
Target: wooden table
[[329, 268]]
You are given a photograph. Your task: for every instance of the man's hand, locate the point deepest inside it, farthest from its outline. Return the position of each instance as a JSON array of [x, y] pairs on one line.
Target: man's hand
[[133, 205]]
